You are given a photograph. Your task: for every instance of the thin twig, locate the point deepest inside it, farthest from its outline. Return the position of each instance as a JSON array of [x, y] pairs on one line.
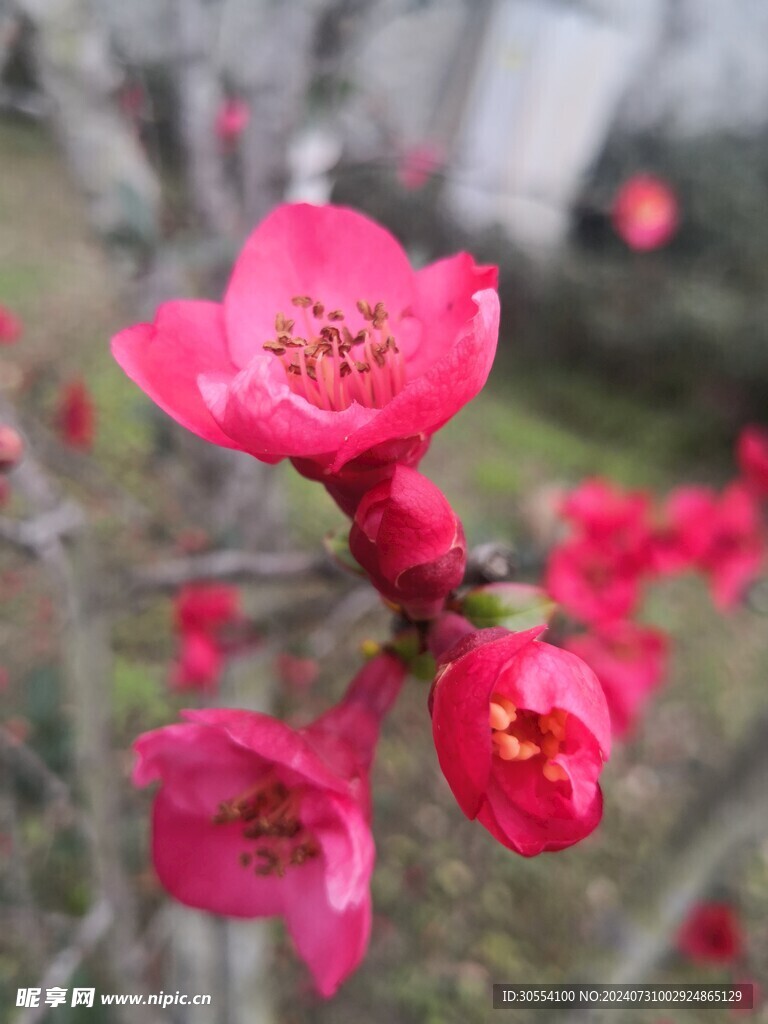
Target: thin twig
[[229, 565]]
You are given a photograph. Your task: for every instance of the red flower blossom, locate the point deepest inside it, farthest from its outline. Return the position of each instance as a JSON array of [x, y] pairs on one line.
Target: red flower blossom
[[76, 416], [254, 819], [711, 934], [645, 212], [232, 119], [599, 510], [201, 613], [10, 326], [629, 661], [410, 542], [521, 730], [594, 581], [328, 349], [752, 454], [719, 534]]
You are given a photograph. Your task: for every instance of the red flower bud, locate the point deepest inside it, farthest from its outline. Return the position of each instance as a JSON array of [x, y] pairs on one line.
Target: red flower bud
[[521, 730], [410, 542]]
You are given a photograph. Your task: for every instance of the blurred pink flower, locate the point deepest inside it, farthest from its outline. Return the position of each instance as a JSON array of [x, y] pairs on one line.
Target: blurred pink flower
[[629, 660], [10, 326], [328, 349], [645, 212], [201, 613], [418, 163], [254, 819], [521, 730], [752, 454], [594, 581], [232, 119]]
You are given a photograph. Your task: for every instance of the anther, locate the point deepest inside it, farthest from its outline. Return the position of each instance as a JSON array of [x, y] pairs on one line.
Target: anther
[[508, 747], [317, 310], [302, 301], [554, 772], [336, 315]]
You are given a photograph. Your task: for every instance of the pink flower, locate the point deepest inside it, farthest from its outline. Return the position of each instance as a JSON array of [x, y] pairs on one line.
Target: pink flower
[[328, 349], [594, 581], [254, 819], [232, 119], [719, 534], [410, 542], [629, 661], [206, 606], [201, 613], [752, 454], [600, 509], [198, 664], [418, 163], [645, 212], [521, 730], [76, 416], [10, 326], [711, 934]]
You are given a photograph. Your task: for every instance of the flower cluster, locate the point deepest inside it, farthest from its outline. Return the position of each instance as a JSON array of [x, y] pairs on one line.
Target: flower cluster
[[621, 541], [331, 351]]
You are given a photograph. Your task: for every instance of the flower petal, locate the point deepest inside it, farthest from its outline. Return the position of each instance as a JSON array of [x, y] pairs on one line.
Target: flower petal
[[166, 357]]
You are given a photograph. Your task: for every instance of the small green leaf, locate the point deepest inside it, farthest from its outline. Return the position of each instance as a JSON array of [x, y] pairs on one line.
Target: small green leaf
[[514, 606]]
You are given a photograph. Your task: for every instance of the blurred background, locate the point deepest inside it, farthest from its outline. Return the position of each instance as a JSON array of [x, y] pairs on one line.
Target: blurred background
[[139, 144]]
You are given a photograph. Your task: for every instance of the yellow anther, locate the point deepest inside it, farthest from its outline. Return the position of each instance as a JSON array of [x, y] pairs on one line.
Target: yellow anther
[[550, 746], [508, 746], [554, 772], [528, 750], [498, 717], [506, 704]]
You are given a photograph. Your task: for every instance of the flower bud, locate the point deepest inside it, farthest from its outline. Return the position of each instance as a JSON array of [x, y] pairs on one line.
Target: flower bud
[[410, 542]]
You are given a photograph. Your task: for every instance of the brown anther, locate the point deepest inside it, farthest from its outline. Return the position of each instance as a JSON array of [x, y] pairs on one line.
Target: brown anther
[[378, 355], [365, 309], [335, 315], [360, 338], [317, 310], [311, 372], [380, 315], [362, 367], [293, 368], [320, 348], [302, 301], [391, 344], [294, 342], [331, 334], [347, 336], [227, 812], [274, 346], [344, 370], [282, 324]]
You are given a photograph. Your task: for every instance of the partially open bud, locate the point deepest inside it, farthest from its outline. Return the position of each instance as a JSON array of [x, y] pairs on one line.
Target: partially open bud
[[410, 542], [11, 448]]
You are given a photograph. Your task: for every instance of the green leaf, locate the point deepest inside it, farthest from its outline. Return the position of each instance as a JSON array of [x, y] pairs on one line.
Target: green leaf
[[515, 606]]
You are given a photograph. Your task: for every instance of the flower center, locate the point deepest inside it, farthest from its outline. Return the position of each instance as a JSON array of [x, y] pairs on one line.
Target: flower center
[[332, 367], [520, 735], [269, 813]]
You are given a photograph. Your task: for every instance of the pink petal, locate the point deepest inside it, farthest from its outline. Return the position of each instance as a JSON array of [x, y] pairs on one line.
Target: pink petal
[[165, 359], [447, 384], [332, 254]]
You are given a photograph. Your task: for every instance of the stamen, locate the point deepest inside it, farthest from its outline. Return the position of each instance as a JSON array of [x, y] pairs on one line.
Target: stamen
[[554, 772], [523, 735], [322, 373]]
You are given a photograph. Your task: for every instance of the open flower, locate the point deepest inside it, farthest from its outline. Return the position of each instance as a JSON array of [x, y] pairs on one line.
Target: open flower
[[255, 819], [410, 542], [595, 581], [328, 349], [629, 661], [521, 730]]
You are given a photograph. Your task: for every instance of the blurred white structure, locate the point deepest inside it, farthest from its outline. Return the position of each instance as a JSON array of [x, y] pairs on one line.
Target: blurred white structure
[[548, 82]]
